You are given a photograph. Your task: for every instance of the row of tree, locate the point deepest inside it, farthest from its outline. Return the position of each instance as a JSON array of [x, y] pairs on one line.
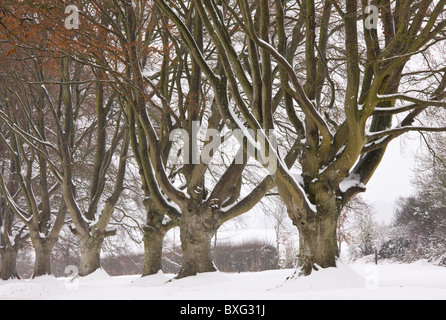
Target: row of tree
[[83, 109]]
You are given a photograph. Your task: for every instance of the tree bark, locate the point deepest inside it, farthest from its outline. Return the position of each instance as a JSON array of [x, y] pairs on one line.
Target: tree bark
[[153, 250], [90, 254], [317, 244], [197, 230], [9, 264], [155, 231], [318, 247], [42, 263]]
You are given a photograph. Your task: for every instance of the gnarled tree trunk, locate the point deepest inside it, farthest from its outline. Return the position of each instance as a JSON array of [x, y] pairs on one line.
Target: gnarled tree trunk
[[155, 232], [197, 229], [318, 247], [9, 263], [91, 254], [42, 263], [153, 251], [317, 243]]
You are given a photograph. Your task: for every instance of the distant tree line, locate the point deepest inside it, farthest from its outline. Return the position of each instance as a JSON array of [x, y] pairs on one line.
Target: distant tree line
[[418, 229]]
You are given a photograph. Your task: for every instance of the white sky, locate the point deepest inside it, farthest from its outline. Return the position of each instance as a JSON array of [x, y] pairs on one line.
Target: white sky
[[393, 178]]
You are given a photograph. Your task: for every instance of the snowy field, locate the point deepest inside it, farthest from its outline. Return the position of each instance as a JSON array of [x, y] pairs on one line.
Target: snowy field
[[349, 281]]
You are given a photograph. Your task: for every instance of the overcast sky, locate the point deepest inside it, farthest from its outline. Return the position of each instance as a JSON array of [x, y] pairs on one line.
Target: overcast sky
[[393, 178]]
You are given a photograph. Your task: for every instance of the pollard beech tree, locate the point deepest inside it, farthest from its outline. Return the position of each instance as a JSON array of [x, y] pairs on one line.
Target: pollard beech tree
[[342, 100], [164, 95], [35, 198], [98, 45], [111, 56], [195, 208], [29, 188], [13, 235], [90, 224], [9, 246], [88, 131]]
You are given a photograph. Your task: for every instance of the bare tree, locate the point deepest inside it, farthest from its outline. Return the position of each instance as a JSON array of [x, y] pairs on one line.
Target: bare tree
[[91, 225], [35, 197], [172, 94], [77, 131], [13, 234]]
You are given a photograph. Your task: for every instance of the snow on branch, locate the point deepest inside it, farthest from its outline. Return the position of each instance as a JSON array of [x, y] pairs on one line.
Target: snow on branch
[[405, 97], [400, 130], [22, 214], [26, 136], [352, 181]]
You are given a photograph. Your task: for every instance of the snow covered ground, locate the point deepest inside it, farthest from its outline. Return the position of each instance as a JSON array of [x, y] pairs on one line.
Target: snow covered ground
[[349, 281]]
